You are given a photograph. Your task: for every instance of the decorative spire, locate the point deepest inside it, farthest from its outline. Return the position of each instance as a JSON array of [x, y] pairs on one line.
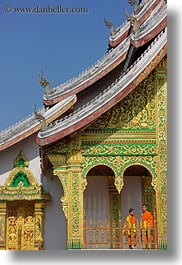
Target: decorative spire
[[111, 26], [41, 119], [133, 22], [44, 83], [136, 6]]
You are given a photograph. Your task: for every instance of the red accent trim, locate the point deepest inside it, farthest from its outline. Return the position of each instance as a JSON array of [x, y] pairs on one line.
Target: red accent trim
[[20, 137], [150, 35], [61, 134], [148, 12], [86, 84], [140, 21], [114, 43], [31, 131]]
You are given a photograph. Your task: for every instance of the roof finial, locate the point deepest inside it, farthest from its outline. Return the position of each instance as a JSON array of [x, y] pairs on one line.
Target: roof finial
[[111, 26], [136, 6], [133, 22], [41, 118], [44, 83]]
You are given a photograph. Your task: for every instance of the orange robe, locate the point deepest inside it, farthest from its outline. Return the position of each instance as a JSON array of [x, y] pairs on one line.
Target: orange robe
[[130, 224], [147, 222]]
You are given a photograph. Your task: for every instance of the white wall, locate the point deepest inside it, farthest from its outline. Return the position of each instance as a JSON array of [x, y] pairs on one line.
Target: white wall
[[131, 196], [55, 221], [96, 197], [97, 201], [30, 149], [55, 233], [96, 204]]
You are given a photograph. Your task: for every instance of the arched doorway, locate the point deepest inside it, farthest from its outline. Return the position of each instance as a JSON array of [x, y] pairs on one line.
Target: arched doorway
[[138, 190], [101, 208], [105, 209]]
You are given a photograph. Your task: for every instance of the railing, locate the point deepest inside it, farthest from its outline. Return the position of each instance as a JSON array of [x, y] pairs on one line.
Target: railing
[[102, 234]]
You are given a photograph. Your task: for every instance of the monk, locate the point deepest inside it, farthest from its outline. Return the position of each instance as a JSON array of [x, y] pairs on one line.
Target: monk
[[129, 229], [146, 224]]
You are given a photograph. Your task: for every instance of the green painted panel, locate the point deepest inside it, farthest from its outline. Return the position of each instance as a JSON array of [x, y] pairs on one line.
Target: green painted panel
[[20, 177]]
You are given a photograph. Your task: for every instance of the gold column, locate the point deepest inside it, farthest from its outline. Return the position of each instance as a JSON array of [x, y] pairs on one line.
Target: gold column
[[75, 200], [62, 174], [149, 193], [115, 212], [39, 225], [70, 176], [2, 225], [161, 194]]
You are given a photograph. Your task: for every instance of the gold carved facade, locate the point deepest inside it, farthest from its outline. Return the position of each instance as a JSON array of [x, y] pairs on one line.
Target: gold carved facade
[[131, 133], [22, 203], [20, 226]]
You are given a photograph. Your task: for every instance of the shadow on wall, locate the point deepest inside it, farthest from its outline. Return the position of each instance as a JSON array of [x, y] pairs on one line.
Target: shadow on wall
[[7, 156], [55, 221]]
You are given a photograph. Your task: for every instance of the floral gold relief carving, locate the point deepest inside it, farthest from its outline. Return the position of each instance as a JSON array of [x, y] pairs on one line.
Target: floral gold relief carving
[[161, 82], [63, 177], [135, 111], [133, 132], [24, 226]]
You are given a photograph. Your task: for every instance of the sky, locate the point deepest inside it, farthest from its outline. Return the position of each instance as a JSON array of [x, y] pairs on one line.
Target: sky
[[59, 44], [62, 46]]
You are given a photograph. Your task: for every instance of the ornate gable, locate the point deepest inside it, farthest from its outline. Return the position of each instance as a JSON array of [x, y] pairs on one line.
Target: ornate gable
[[21, 183], [21, 160], [135, 112]]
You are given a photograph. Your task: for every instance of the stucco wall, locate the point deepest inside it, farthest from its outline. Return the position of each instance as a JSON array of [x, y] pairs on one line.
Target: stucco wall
[[96, 198], [30, 149], [55, 221], [131, 196], [97, 201]]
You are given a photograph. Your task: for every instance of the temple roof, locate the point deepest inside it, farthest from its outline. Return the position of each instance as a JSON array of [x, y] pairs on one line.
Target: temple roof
[[151, 27], [146, 9], [137, 53], [139, 70], [30, 124], [155, 14], [104, 65]]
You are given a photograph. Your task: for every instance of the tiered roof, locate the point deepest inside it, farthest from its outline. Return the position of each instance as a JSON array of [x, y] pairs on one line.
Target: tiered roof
[[138, 45], [155, 14], [110, 96], [146, 9], [30, 124]]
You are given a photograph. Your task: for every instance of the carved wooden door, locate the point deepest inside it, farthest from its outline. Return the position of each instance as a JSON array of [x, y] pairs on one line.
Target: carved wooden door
[[20, 225]]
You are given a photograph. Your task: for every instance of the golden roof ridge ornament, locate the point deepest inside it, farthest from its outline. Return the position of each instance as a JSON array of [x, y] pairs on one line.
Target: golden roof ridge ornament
[[133, 22], [111, 26], [45, 84], [41, 119], [136, 6]]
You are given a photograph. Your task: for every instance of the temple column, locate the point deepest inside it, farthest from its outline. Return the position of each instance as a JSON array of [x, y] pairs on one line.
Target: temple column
[[161, 197], [148, 194], [2, 225], [39, 224], [115, 213], [75, 200], [72, 201], [69, 172]]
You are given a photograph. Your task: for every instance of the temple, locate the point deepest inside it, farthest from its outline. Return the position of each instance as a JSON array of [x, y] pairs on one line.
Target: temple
[[70, 171]]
